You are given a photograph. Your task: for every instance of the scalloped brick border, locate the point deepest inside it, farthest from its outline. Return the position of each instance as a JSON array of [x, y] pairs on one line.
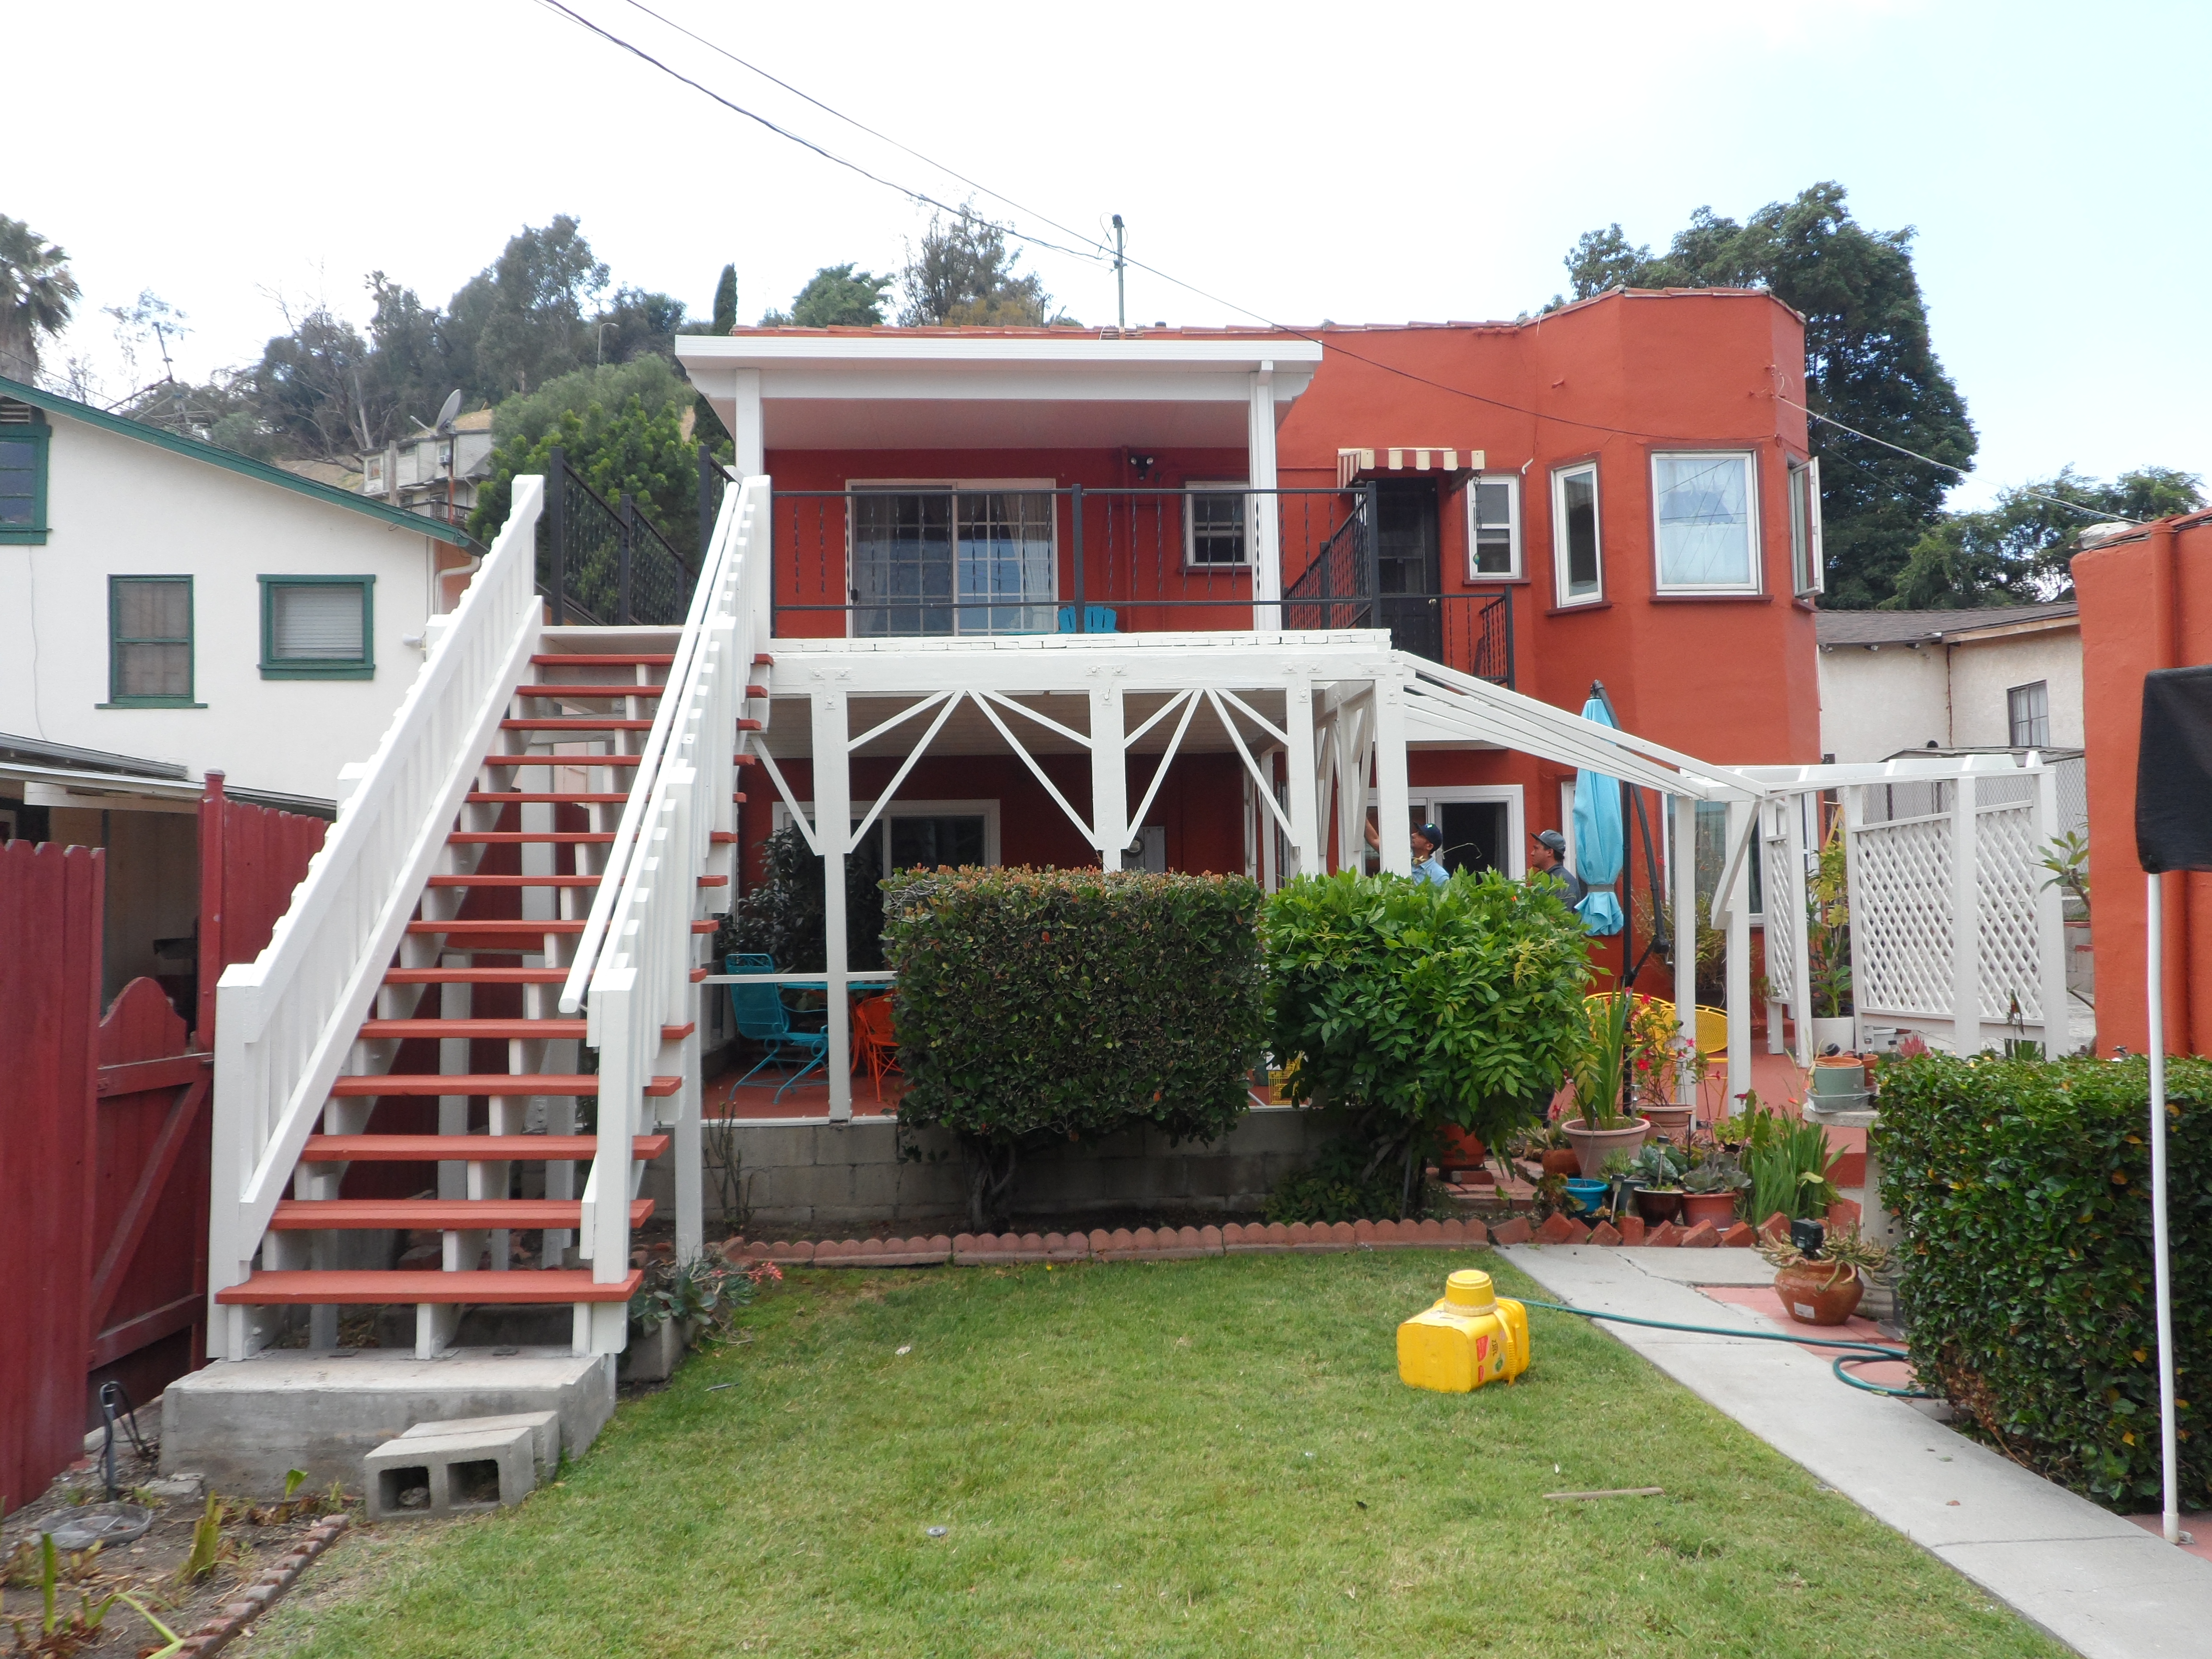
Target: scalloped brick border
[[1167, 1244], [236, 1616]]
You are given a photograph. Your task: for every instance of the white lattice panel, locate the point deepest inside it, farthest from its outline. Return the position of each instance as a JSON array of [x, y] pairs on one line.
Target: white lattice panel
[[1783, 884], [2006, 880], [1901, 918]]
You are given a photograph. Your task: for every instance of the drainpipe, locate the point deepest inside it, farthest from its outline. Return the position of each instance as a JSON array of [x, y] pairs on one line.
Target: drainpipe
[[2166, 642]]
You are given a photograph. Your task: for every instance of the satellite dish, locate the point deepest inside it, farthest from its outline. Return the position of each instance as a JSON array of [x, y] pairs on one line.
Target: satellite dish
[[449, 409]]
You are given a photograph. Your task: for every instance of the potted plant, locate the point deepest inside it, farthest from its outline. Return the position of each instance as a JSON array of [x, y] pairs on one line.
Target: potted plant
[[1599, 1067], [1828, 939], [1824, 1287], [1619, 1172], [1662, 1060], [1547, 1147], [1659, 1171], [1710, 1188]]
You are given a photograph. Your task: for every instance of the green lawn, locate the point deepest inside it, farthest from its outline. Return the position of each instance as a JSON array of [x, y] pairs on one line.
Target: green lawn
[[1176, 1458]]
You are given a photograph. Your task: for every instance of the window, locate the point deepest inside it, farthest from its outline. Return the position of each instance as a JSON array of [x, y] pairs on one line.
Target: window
[[2028, 708], [23, 436], [149, 642], [1577, 564], [1213, 528], [1808, 563], [1707, 523], [953, 560], [1493, 526], [317, 628]]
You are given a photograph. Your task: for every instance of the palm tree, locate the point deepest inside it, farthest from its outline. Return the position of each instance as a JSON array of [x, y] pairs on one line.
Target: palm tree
[[36, 291]]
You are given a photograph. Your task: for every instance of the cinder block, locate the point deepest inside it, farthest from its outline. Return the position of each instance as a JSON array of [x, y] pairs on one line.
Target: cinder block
[[544, 1428], [865, 1140], [463, 1473], [776, 1146]]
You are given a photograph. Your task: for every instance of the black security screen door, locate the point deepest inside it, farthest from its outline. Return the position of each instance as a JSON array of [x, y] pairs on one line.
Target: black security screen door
[[1474, 834], [1408, 569]]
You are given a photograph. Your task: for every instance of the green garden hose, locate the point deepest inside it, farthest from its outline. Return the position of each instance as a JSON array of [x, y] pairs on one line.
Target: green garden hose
[[1863, 1353]]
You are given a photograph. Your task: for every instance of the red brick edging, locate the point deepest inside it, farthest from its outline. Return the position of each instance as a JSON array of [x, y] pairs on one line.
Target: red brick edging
[[1167, 1244], [231, 1621]]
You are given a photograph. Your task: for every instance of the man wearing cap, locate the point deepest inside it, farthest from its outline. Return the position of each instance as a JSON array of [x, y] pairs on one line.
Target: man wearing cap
[[1426, 840], [1551, 865]]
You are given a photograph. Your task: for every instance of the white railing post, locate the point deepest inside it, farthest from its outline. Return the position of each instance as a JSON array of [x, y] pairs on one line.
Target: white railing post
[[1682, 876], [1966, 920], [2051, 921]]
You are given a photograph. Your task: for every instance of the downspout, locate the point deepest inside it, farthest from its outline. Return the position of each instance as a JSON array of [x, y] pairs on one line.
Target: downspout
[[2166, 639]]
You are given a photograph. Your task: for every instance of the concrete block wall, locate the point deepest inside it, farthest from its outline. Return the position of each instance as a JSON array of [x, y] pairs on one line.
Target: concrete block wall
[[806, 1175]]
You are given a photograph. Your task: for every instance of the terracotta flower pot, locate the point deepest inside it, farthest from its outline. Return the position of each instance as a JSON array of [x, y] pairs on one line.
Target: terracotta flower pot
[[1671, 1122], [1593, 1147], [1657, 1204], [1563, 1160], [1819, 1293], [1458, 1150], [1719, 1208]]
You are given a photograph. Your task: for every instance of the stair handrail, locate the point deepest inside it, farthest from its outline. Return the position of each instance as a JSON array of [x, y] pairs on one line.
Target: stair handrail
[[286, 1020], [641, 980], [723, 560]]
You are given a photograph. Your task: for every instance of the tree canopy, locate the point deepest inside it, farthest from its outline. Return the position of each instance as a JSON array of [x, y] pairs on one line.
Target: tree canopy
[[37, 294], [835, 296], [1869, 364], [2020, 552], [963, 274]]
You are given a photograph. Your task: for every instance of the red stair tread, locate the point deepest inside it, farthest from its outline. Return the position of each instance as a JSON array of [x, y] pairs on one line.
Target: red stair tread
[[502, 929], [705, 881], [576, 723], [513, 881], [604, 660], [298, 1289], [464, 1026], [698, 974], [480, 1149], [545, 798], [591, 689], [722, 837], [476, 976], [562, 760], [394, 1085], [447, 1214], [521, 837]]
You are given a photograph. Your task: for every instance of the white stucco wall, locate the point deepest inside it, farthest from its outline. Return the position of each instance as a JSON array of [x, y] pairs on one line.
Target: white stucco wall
[[1983, 671], [1874, 703], [117, 506]]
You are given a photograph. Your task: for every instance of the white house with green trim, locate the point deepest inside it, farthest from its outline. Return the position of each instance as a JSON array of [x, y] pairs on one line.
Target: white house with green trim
[[163, 598]]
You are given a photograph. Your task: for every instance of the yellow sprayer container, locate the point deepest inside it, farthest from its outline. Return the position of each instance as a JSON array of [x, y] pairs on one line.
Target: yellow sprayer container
[[1471, 1337]]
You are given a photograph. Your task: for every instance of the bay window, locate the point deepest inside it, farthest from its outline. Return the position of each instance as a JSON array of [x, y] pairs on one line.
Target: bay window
[[1706, 521], [1577, 561]]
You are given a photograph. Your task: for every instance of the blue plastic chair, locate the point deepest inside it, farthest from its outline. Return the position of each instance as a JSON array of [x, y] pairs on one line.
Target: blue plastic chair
[[761, 1015], [1096, 619]]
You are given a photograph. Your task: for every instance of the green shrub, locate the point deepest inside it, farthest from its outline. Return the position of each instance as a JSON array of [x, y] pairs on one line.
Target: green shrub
[[1337, 1186], [1037, 1006], [1413, 1005], [2023, 1190]]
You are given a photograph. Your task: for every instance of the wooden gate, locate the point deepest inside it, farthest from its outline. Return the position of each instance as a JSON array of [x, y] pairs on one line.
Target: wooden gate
[[49, 939]]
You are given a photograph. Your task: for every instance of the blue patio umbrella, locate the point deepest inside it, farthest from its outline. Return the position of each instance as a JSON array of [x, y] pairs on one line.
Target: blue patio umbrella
[[1600, 842]]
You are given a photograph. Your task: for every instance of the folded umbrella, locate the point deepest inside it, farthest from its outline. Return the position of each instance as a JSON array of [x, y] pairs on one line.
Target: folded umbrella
[[1600, 841]]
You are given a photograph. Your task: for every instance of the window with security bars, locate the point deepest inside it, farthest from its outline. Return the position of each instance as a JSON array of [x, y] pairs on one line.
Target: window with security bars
[[1213, 530], [2028, 708], [317, 628], [149, 641], [953, 561]]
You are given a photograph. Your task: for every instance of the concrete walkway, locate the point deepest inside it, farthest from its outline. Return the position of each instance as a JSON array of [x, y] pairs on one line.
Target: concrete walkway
[[2093, 1580]]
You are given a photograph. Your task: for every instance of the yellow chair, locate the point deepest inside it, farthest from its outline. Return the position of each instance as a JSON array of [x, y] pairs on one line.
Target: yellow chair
[[1712, 1035]]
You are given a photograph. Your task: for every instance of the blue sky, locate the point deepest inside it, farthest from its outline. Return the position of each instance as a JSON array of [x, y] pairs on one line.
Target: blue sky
[[1361, 163]]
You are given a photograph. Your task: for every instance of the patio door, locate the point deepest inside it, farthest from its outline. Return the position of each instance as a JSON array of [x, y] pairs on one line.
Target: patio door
[[952, 561], [1409, 573]]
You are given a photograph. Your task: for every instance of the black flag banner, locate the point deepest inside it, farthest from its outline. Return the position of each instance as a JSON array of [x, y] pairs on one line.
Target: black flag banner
[[2173, 771]]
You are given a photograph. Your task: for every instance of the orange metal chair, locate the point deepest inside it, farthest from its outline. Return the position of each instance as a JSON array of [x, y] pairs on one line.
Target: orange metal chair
[[874, 1043]]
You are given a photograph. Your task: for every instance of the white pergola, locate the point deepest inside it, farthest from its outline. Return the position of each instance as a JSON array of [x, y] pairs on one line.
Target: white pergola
[[1337, 708]]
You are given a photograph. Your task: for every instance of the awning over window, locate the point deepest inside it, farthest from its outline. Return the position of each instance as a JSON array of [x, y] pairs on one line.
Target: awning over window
[[1353, 464]]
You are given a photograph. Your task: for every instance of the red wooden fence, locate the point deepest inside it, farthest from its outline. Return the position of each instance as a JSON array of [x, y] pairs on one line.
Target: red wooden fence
[[50, 931], [250, 859]]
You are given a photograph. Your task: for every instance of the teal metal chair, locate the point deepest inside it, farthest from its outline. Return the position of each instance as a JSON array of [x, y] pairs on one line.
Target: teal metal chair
[[761, 1015], [1096, 619]]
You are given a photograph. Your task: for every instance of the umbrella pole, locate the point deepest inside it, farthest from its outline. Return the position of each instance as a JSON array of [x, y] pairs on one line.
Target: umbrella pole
[[1627, 897], [2154, 936]]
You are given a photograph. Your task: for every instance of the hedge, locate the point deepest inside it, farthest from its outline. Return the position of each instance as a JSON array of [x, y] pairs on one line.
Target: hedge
[[2023, 1190], [1068, 1004]]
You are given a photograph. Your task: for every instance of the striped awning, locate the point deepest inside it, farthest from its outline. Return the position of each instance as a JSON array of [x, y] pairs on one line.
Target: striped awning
[[1353, 464]]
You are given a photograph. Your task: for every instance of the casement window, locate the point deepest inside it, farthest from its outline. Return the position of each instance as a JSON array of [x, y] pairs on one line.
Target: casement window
[[1577, 561], [1493, 526], [149, 642], [317, 628], [23, 437], [1213, 525], [1808, 563], [2028, 709], [1705, 510], [953, 560]]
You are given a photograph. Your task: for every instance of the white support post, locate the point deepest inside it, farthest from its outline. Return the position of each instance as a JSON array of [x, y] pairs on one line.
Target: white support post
[[1270, 877], [1682, 876], [1305, 803], [2162, 1284], [1109, 776], [750, 458], [1742, 818], [1393, 810], [1800, 942], [1261, 514], [833, 831], [2050, 924], [1853, 797], [1965, 921]]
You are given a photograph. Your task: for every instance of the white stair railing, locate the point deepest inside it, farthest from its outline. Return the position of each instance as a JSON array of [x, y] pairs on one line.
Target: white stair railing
[[632, 970], [285, 1021]]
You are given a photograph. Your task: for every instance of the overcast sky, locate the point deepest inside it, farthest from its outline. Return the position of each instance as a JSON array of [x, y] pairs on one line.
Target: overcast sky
[[1377, 163]]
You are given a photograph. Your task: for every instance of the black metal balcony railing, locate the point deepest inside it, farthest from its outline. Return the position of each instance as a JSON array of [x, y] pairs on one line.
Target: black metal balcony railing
[[601, 562], [923, 562]]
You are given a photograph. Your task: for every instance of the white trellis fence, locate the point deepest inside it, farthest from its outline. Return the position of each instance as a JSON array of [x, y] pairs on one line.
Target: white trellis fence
[[1955, 933]]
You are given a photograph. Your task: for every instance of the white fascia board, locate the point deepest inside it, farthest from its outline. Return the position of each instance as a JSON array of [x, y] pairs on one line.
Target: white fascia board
[[90, 786], [1035, 663], [1799, 780]]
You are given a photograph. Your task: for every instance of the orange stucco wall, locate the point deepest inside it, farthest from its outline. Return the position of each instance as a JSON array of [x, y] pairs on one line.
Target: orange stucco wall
[[2146, 604]]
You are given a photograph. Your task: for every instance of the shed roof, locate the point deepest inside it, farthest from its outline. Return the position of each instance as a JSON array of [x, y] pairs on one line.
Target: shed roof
[[1927, 627]]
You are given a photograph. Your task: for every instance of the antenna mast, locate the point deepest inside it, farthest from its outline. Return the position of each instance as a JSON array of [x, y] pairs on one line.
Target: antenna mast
[[1120, 263]]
